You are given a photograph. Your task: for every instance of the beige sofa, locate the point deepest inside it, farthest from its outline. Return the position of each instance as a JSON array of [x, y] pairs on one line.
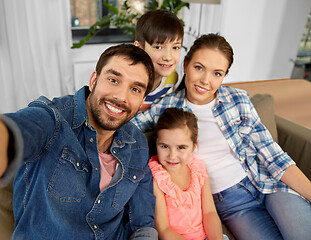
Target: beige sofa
[[293, 138]]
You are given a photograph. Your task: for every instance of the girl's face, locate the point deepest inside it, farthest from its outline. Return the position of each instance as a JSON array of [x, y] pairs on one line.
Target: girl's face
[[174, 147], [204, 74]]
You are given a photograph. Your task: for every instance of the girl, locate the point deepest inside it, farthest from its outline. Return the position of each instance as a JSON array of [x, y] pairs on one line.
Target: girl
[[257, 188], [184, 203]]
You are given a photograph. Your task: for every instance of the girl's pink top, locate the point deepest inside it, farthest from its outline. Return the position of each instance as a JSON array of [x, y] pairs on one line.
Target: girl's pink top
[[183, 207]]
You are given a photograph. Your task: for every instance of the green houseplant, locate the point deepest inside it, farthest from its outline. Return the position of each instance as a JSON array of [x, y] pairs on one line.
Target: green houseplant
[[126, 18]]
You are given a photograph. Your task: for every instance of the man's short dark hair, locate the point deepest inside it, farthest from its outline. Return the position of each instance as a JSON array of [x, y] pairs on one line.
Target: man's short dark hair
[[136, 54]]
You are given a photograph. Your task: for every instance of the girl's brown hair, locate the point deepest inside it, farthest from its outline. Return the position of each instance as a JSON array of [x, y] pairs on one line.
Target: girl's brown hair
[[173, 118]]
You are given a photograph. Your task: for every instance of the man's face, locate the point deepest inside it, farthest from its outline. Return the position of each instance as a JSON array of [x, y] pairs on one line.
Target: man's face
[[117, 94]]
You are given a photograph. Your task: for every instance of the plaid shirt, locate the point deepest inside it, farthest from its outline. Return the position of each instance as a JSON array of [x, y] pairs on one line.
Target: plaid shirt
[[262, 159]]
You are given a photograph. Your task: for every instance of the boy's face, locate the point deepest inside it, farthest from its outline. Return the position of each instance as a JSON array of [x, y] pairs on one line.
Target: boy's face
[[165, 56]]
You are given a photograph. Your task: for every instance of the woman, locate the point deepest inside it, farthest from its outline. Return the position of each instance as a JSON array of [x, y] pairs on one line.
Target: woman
[[257, 188]]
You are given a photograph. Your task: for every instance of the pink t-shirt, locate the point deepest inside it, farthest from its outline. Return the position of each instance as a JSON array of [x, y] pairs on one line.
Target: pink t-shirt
[[183, 207], [108, 165]]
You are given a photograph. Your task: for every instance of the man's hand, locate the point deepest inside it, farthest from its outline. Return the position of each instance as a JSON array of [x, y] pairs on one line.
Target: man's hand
[[4, 143]]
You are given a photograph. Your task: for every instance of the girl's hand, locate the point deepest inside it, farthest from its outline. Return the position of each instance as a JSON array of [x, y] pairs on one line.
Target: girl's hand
[[211, 220], [161, 217]]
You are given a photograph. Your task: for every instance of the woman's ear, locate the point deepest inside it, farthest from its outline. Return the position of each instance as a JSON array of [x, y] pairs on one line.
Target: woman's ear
[[92, 81], [185, 67]]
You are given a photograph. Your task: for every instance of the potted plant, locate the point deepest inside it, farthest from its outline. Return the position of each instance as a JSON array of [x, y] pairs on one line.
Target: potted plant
[[126, 18]]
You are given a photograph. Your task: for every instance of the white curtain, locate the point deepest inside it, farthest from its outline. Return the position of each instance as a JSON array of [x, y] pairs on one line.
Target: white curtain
[[35, 40]]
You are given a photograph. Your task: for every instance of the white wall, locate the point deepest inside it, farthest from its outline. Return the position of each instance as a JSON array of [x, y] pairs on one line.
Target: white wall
[[264, 34]]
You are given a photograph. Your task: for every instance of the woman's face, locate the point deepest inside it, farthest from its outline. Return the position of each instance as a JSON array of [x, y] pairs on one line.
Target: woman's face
[[204, 74]]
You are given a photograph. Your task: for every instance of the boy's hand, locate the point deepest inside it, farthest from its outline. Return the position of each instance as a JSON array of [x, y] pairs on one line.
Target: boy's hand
[[4, 143]]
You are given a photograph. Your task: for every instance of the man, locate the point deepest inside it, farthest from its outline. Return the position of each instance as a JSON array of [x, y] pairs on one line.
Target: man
[[84, 169]]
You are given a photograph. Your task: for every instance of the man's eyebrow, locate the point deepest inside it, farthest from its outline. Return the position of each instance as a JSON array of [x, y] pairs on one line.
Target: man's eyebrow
[[114, 72], [142, 85]]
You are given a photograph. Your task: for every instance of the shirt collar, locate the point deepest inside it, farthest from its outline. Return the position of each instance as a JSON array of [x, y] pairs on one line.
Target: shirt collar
[[80, 113], [223, 95]]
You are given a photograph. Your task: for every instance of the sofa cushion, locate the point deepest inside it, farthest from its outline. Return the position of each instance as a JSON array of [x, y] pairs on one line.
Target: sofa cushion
[[264, 106]]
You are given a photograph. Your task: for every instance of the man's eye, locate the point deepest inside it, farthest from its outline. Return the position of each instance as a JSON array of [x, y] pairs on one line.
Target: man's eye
[[137, 90], [112, 80]]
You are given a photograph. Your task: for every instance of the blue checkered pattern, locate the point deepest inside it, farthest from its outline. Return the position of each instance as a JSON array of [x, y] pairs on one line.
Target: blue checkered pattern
[[262, 159]]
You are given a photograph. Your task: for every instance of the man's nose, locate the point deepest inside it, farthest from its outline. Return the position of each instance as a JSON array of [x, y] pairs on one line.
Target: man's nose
[[121, 94]]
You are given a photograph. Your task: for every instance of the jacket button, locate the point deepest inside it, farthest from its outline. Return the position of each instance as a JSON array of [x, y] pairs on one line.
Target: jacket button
[[98, 201], [91, 140], [134, 177], [95, 226]]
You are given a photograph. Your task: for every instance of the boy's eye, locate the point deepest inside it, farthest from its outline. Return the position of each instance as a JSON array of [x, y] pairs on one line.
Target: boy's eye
[[157, 47], [176, 47]]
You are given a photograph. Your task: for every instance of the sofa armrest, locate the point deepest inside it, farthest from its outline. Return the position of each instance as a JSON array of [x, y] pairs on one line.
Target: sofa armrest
[[295, 139]]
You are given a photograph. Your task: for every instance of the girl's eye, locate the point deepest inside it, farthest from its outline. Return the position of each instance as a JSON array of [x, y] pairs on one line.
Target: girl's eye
[[157, 47], [181, 147], [163, 146]]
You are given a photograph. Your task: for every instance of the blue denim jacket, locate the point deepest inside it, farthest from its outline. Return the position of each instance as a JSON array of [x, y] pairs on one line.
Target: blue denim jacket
[[56, 188]]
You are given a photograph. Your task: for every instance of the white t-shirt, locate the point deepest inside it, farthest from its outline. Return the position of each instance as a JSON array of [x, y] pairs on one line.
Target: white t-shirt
[[223, 167]]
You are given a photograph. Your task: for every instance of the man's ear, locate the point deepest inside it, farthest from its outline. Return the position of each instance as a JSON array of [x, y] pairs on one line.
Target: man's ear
[[92, 81]]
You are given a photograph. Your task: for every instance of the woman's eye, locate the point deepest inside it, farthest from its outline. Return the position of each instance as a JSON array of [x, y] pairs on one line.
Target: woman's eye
[[217, 74], [198, 68]]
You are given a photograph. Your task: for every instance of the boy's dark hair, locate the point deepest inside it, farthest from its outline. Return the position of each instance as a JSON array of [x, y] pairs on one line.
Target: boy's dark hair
[[158, 26], [136, 54]]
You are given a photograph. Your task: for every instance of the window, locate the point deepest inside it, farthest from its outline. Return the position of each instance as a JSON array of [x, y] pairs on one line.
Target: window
[[85, 13]]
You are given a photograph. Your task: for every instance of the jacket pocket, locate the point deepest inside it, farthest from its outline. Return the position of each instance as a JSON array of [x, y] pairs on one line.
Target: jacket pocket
[[68, 182]]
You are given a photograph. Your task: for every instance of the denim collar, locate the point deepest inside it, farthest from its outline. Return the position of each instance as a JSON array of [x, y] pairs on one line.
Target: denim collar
[[80, 113]]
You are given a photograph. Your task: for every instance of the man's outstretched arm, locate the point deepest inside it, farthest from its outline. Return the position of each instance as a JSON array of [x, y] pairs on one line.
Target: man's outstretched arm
[[4, 143]]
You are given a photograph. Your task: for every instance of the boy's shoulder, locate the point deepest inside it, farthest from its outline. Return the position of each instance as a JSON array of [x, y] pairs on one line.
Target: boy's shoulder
[[172, 79]]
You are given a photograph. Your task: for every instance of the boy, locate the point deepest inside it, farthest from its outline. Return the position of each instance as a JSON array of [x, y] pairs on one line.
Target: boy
[[160, 33]]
